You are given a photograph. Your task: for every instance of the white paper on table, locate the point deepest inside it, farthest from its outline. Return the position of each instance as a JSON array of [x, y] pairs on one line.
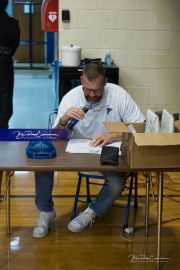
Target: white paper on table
[[82, 146]]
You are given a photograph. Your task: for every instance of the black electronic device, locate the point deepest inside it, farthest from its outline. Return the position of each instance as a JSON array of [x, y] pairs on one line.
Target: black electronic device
[[90, 60], [65, 15]]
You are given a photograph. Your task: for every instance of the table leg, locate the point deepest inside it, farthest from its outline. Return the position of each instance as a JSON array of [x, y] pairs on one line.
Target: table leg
[[8, 182], [160, 202], [1, 176], [147, 206]]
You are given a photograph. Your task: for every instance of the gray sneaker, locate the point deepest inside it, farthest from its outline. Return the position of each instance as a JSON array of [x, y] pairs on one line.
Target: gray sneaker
[[44, 220], [79, 223]]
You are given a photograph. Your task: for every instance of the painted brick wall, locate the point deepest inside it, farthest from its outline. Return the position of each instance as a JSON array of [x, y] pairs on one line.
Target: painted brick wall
[[144, 41]]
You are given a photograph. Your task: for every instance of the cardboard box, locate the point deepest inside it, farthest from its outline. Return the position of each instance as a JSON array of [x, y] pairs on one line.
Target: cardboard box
[[147, 150]]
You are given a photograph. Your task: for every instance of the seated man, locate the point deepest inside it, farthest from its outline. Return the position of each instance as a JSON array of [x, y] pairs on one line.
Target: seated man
[[109, 103]]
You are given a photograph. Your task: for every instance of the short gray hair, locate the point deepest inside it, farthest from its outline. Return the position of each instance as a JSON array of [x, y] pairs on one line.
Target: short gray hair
[[94, 70]]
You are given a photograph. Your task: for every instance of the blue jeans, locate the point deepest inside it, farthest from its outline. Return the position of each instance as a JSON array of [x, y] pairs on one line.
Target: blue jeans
[[113, 186], [44, 182]]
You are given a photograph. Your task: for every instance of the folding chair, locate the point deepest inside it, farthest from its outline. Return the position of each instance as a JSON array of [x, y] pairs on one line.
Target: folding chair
[[95, 175]]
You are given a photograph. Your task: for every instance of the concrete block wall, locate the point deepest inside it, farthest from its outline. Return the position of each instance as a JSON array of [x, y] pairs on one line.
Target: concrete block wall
[[144, 40]]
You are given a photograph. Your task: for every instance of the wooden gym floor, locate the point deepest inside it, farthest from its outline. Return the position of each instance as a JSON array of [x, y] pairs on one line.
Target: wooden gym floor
[[104, 246]]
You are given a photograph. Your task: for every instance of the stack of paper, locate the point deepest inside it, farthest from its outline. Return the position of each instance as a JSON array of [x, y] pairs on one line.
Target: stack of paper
[[82, 146]]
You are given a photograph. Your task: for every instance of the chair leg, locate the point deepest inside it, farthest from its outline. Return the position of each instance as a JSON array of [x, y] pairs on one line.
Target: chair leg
[[76, 198], [135, 190], [128, 203], [88, 196]]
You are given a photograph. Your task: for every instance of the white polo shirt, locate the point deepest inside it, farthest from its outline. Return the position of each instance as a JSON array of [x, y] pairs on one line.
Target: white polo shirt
[[116, 105]]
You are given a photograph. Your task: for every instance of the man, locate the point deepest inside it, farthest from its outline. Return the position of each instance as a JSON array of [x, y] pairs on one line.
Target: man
[[9, 42], [109, 103]]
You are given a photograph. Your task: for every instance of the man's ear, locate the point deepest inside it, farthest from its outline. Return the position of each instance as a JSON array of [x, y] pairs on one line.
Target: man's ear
[[81, 79], [105, 81]]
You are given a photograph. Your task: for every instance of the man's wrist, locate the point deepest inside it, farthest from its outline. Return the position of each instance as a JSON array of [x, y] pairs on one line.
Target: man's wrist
[[62, 122], [117, 136]]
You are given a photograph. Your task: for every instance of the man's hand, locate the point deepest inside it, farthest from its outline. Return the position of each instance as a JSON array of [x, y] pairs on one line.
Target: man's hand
[[73, 113], [103, 139]]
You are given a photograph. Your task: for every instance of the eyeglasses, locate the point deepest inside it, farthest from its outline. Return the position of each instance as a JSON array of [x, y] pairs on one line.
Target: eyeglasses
[[95, 92]]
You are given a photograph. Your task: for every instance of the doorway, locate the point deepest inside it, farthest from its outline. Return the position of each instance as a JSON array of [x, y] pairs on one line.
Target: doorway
[[32, 45]]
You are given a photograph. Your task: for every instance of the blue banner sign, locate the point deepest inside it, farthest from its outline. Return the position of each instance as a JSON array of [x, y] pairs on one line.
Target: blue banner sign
[[34, 134]]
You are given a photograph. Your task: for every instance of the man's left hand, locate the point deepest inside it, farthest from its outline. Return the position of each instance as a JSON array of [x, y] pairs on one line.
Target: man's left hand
[[102, 139]]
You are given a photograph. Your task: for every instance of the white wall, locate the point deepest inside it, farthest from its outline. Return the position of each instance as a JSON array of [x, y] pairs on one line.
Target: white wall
[[144, 41]]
